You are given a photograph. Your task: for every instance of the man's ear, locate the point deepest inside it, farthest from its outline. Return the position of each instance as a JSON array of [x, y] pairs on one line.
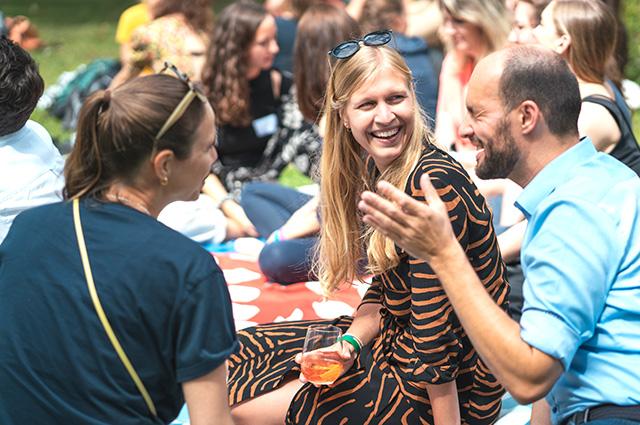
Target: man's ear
[[529, 116], [162, 164]]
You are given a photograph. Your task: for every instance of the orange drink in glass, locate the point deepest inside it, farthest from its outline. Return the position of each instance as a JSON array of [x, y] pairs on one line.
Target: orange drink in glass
[[320, 364]]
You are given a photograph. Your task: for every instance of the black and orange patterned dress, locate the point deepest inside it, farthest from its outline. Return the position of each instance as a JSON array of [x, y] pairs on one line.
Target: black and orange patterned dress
[[420, 341]]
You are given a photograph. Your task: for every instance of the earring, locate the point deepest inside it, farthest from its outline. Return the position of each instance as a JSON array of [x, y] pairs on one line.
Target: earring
[[164, 181], [347, 127]]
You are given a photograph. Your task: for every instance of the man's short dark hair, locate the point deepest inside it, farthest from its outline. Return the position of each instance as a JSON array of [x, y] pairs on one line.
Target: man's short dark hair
[[20, 86], [543, 77]]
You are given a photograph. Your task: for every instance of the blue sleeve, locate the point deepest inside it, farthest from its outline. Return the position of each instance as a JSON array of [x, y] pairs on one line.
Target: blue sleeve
[[206, 333], [570, 263]]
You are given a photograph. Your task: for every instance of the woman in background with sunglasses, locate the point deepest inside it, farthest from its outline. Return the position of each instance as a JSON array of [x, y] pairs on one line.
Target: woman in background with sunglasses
[[143, 294], [405, 357]]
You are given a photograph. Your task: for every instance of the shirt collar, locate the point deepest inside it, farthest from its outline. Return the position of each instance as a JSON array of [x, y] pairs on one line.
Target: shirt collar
[[12, 137], [552, 175]]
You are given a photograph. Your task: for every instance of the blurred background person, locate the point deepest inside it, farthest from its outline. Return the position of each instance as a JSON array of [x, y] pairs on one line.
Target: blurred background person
[[178, 33], [30, 164], [526, 16], [133, 17], [391, 14], [583, 33], [261, 130], [245, 91], [472, 29], [288, 218]]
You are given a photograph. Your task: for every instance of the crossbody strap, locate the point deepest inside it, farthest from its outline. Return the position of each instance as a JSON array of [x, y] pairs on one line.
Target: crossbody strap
[[103, 317]]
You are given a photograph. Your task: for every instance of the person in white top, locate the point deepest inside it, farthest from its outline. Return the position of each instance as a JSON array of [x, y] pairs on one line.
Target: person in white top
[[30, 165]]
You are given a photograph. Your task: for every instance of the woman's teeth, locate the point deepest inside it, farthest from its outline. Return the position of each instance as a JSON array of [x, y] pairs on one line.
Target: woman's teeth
[[386, 134]]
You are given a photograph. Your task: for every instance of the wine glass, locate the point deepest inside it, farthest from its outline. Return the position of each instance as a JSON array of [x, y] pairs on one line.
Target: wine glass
[[321, 363]]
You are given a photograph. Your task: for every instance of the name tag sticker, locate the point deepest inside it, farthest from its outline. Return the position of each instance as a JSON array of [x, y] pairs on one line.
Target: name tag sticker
[[265, 126]]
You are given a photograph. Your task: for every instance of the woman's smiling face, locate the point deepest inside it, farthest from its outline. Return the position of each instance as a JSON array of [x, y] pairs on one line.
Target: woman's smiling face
[[380, 115]]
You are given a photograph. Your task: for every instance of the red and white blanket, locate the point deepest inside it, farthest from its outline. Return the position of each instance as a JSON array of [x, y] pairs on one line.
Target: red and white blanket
[[256, 301]]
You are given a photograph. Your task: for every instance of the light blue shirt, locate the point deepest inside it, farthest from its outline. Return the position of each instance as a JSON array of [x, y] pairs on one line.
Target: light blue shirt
[[30, 173], [581, 261]]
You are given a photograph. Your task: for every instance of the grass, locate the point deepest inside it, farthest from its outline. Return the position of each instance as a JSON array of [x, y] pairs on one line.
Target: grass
[[79, 31], [631, 18], [75, 31]]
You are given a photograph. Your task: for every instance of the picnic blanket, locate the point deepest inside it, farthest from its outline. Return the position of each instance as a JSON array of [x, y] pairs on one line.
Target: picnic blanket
[[256, 301]]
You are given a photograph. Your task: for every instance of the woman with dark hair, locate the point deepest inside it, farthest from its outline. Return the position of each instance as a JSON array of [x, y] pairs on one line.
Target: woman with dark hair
[[321, 27], [105, 313], [286, 217], [178, 33], [260, 128]]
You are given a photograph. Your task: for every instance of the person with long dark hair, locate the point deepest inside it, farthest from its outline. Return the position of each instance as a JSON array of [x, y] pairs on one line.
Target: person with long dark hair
[[287, 218], [261, 130]]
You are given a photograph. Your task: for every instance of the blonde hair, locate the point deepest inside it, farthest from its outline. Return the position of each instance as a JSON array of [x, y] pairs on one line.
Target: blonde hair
[[345, 173], [592, 27], [489, 15]]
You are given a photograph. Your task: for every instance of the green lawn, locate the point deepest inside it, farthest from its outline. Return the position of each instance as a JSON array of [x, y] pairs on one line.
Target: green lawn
[[78, 31], [75, 31]]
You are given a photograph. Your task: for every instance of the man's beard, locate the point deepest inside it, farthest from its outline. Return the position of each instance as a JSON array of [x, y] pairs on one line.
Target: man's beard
[[500, 156]]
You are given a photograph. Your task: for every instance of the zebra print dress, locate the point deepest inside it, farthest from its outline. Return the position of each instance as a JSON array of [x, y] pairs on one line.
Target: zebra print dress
[[420, 341]]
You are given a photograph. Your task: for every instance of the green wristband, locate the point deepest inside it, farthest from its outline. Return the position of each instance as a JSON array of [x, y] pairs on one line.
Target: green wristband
[[353, 341]]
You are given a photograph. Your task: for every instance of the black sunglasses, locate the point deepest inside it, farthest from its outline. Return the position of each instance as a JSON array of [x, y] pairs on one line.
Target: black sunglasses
[[348, 48]]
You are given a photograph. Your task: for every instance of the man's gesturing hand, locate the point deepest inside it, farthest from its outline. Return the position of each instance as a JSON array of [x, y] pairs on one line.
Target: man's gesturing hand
[[422, 229]]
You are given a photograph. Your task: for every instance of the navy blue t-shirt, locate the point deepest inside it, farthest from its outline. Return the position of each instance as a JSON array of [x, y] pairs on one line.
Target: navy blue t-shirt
[[164, 295]]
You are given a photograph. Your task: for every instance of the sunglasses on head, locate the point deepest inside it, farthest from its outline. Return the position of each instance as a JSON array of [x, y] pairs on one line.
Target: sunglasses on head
[[348, 48], [179, 110]]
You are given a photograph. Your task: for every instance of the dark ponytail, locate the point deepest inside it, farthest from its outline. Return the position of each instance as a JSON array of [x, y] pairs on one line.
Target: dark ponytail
[[83, 169], [116, 132]]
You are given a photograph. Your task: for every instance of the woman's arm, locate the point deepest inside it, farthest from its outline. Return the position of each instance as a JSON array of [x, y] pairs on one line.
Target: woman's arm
[[510, 241], [597, 123], [365, 327], [366, 322], [239, 224], [444, 402], [207, 400], [303, 222]]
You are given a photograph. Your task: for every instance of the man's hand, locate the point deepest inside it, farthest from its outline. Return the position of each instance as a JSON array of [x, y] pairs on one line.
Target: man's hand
[[423, 229]]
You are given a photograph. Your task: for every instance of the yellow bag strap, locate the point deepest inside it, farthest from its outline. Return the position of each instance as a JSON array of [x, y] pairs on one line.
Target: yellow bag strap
[[103, 317]]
